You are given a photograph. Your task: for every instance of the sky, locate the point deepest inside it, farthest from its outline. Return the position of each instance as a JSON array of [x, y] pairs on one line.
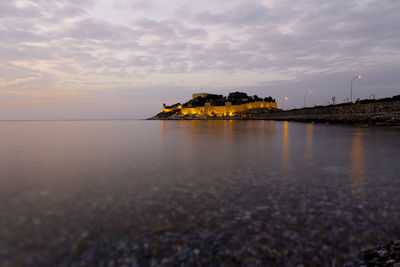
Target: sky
[[121, 59]]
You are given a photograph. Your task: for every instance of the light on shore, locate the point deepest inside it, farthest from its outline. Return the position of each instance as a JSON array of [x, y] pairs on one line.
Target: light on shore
[[351, 87]]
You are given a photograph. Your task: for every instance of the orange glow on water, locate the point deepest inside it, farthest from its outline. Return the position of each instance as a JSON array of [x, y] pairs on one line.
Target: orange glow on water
[[309, 141], [285, 151], [357, 165]]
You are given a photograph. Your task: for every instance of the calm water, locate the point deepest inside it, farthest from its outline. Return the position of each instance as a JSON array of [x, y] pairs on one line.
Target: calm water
[[195, 192]]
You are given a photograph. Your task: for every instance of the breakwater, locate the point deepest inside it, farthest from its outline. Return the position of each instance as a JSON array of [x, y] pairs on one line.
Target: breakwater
[[386, 112]]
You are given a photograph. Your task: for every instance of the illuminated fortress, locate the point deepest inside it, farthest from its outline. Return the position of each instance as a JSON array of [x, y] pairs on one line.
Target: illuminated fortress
[[227, 110]]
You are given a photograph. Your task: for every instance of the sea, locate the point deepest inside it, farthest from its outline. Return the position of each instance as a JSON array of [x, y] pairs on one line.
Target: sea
[[195, 193]]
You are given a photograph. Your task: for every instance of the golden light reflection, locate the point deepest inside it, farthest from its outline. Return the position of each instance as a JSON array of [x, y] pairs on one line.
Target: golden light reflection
[[164, 136], [271, 127], [285, 152], [309, 141], [357, 165], [226, 132], [230, 126]]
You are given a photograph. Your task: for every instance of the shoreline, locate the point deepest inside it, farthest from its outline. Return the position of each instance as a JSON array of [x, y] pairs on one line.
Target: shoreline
[[335, 120], [384, 112]]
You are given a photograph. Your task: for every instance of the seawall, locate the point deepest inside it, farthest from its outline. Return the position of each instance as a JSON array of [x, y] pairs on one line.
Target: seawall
[[375, 113]]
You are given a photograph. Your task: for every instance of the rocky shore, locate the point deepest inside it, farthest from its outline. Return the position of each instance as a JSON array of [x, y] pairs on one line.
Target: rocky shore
[[387, 255]]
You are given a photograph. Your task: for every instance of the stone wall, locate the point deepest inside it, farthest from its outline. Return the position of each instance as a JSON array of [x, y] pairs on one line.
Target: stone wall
[[385, 112], [220, 111]]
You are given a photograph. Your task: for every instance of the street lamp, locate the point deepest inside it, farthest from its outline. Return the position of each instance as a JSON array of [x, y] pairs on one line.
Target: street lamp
[[284, 99], [308, 92], [351, 87]]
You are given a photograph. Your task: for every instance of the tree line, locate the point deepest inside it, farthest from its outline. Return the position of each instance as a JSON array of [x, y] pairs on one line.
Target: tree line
[[236, 98]]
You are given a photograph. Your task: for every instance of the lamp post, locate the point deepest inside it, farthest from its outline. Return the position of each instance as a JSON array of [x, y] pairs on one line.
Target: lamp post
[[351, 87], [308, 92], [284, 99]]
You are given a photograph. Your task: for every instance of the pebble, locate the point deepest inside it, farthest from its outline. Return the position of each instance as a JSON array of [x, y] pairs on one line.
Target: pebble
[[221, 219], [387, 255]]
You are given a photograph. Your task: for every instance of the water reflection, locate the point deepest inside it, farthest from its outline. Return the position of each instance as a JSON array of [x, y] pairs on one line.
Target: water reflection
[[309, 141], [271, 128], [164, 132], [285, 151], [242, 185], [357, 165]]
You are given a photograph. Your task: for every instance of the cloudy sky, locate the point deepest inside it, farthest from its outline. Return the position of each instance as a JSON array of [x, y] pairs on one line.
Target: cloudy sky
[[94, 59]]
